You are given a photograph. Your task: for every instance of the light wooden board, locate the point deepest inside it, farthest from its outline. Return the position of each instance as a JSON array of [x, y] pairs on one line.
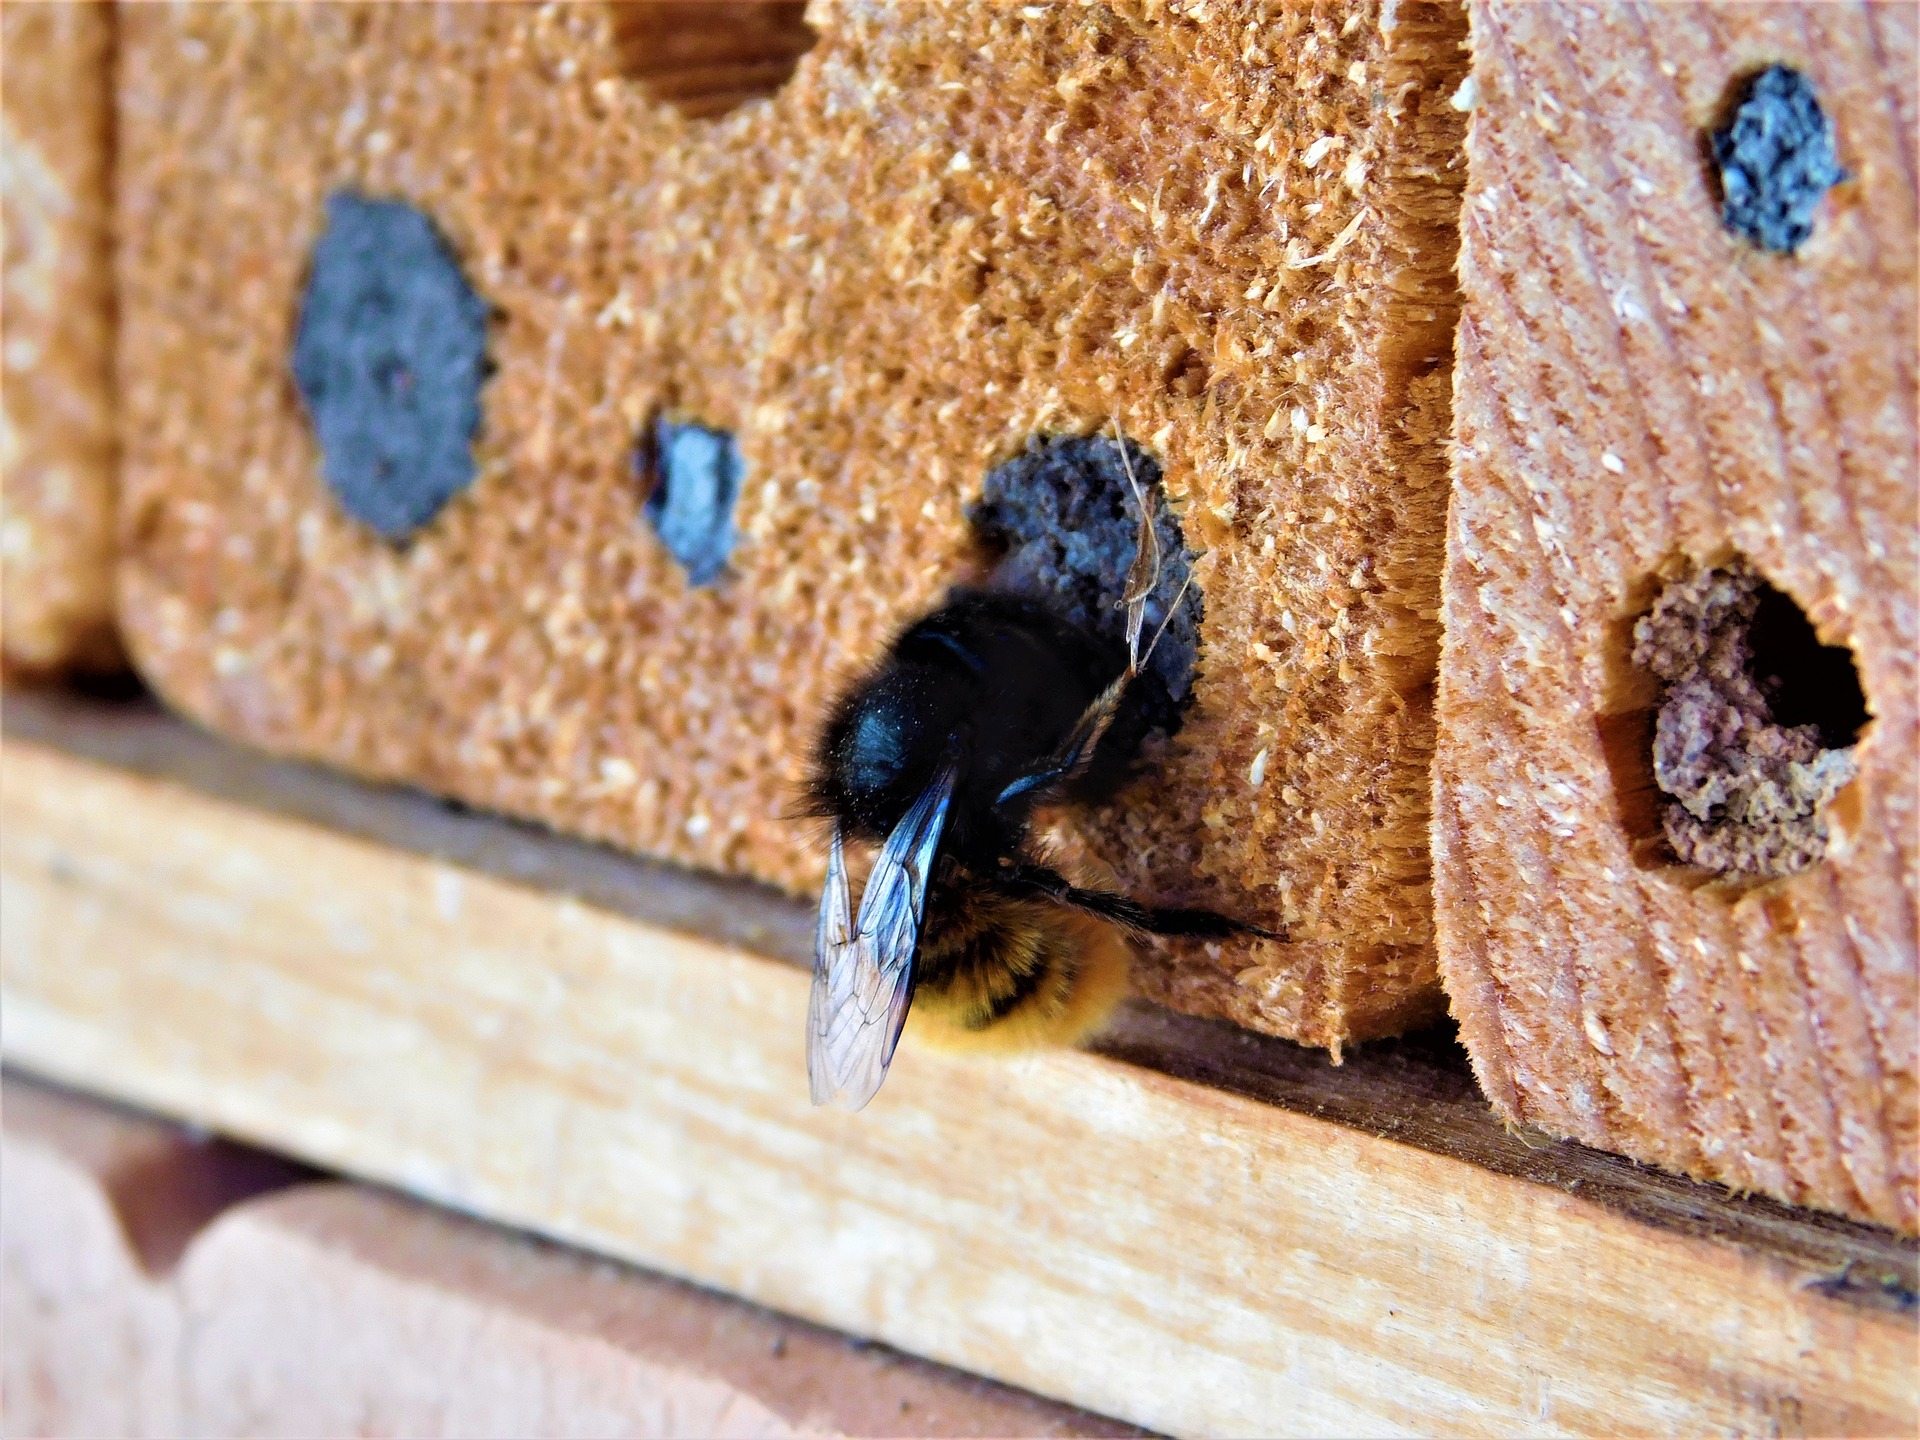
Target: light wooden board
[[1188, 1257], [153, 1285]]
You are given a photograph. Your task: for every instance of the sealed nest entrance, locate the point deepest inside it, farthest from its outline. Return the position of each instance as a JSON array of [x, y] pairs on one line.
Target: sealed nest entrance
[[1775, 160], [1062, 518], [712, 56], [692, 475], [389, 358], [1756, 725]]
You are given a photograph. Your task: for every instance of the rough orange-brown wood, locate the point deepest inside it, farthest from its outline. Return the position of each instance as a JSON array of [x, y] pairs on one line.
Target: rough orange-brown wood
[[1640, 394], [56, 416], [1228, 228], [336, 1309], [1066, 1222]]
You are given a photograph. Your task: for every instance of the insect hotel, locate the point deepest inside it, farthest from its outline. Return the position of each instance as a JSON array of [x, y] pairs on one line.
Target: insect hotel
[[1297, 622]]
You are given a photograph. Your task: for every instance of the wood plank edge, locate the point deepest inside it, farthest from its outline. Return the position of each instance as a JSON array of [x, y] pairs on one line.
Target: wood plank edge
[[1259, 1286], [1416, 1091]]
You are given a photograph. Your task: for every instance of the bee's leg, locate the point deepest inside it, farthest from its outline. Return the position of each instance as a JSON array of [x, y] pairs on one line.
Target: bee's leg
[[1041, 781], [1028, 880], [1076, 751]]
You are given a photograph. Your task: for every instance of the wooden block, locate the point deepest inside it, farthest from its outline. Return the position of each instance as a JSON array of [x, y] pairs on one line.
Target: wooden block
[[1641, 393], [97, 1205], [91, 1337], [334, 1309], [956, 229], [57, 427], [1218, 1257]]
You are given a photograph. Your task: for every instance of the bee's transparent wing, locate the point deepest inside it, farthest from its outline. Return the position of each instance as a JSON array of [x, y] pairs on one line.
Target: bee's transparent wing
[[863, 974], [833, 954]]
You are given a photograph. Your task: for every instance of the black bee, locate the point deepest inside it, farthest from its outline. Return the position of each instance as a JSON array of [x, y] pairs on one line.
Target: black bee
[[991, 705]]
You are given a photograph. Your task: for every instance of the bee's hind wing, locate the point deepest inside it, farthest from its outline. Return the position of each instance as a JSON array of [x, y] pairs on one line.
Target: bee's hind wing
[[863, 975]]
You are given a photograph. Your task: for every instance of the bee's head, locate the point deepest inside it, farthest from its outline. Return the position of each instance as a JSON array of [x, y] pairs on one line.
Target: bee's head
[[884, 745]]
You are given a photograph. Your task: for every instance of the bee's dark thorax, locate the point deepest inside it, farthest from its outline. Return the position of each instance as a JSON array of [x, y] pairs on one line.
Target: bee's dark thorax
[[993, 683]]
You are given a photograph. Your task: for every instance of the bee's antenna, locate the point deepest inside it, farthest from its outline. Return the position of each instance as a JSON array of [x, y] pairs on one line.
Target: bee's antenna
[[1143, 576], [1165, 620]]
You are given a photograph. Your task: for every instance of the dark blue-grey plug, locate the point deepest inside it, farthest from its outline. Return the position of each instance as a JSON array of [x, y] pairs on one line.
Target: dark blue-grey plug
[[1063, 515], [1776, 161], [696, 475], [389, 358]]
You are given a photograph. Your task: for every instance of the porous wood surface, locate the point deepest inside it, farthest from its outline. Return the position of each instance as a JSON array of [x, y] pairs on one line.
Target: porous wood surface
[[56, 421], [335, 1309], [1635, 387], [1227, 228], [1202, 1230]]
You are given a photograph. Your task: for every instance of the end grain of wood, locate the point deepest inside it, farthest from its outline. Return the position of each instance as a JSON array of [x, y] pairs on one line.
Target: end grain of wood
[[1637, 390]]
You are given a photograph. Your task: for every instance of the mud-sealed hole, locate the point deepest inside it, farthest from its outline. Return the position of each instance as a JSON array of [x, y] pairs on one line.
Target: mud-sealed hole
[[1061, 523], [1773, 159], [389, 357], [1735, 770], [711, 56], [691, 475]]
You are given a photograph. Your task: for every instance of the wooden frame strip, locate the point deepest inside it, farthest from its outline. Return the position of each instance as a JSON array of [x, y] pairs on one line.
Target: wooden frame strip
[[1196, 1257]]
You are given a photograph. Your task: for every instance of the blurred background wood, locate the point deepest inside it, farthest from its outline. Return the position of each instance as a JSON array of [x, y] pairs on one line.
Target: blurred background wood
[[298, 1305]]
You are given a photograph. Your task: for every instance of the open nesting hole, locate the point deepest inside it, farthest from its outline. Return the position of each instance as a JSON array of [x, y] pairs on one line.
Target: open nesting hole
[[711, 56], [1062, 524], [1735, 770]]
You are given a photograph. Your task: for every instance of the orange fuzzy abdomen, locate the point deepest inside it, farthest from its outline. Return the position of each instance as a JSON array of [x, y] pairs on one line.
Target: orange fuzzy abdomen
[[1003, 974]]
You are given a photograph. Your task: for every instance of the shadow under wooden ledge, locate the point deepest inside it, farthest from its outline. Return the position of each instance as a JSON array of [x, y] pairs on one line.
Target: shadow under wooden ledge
[[1415, 1093]]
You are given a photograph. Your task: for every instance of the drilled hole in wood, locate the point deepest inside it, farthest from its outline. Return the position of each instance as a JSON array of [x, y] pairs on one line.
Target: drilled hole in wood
[[706, 59], [1774, 159], [1738, 766], [1062, 524], [692, 475]]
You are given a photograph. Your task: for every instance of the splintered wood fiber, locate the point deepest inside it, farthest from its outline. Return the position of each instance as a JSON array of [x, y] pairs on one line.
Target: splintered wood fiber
[[1228, 228], [1643, 395], [56, 419]]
